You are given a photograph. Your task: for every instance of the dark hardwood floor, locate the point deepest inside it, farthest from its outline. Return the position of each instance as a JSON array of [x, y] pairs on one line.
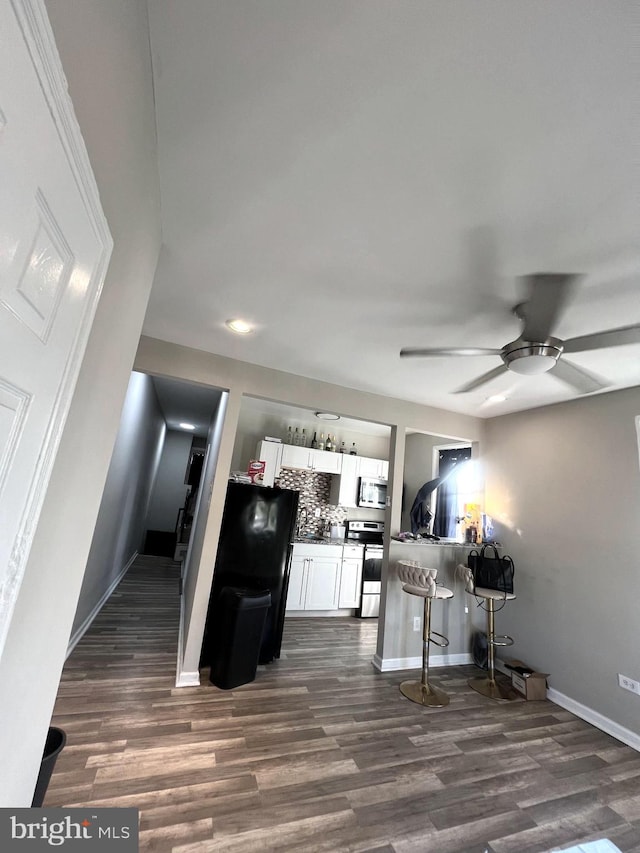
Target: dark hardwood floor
[[321, 753]]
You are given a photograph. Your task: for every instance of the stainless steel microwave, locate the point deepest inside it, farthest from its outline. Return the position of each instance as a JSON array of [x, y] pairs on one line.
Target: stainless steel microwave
[[372, 493]]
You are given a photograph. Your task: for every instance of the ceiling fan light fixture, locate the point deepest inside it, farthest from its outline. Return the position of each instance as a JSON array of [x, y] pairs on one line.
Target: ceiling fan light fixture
[[240, 327], [531, 365], [531, 359]]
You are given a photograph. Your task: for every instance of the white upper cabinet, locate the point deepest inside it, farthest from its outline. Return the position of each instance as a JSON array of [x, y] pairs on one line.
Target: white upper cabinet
[[270, 452], [344, 489], [309, 459], [376, 468]]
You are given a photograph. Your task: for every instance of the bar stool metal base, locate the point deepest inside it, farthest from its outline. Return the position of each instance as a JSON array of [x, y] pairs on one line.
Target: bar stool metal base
[[489, 687], [424, 694]]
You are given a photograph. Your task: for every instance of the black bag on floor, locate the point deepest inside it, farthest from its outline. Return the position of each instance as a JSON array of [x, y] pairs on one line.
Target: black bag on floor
[[490, 570]]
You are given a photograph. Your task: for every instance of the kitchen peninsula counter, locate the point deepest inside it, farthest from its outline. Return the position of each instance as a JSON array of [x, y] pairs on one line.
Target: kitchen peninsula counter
[[402, 648]]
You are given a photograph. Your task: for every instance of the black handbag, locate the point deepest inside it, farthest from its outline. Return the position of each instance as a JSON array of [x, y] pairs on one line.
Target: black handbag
[[491, 571]]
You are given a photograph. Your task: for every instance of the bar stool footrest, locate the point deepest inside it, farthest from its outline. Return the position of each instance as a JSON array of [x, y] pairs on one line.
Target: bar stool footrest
[[443, 644], [501, 640]]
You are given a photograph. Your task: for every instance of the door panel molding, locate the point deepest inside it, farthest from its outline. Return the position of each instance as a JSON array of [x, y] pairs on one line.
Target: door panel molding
[[26, 27]]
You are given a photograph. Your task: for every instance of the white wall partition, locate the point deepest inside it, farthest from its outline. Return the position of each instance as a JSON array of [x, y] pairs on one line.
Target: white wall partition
[[104, 48]]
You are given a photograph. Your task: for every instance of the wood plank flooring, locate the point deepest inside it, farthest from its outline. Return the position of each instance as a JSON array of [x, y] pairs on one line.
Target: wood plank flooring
[[321, 753]]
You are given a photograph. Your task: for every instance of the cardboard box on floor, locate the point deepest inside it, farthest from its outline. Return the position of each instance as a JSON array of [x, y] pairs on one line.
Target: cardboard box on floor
[[532, 685]]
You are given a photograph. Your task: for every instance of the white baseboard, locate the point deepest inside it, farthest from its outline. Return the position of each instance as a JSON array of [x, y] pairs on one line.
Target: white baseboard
[[188, 679], [312, 614], [82, 630], [394, 664], [596, 719], [183, 678], [601, 722]]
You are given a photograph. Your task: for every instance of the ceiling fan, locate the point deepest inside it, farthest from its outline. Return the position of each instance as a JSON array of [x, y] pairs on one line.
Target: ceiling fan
[[536, 351]]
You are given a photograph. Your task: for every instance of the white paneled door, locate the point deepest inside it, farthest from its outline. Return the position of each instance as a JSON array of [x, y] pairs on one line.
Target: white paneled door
[[54, 250]]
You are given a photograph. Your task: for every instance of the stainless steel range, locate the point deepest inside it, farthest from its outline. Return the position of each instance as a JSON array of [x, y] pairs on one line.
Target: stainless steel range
[[368, 533]]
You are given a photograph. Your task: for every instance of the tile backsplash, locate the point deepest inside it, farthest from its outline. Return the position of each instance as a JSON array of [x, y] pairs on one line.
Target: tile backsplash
[[314, 491]]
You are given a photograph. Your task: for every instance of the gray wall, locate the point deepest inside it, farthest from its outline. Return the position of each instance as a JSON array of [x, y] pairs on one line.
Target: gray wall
[[254, 425], [418, 468], [104, 49], [242, 378], [169, 492], [121, 522], [564, 484]]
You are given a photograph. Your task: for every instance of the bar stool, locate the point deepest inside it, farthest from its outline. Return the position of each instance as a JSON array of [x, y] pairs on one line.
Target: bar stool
[[487, 685], [420, 581]]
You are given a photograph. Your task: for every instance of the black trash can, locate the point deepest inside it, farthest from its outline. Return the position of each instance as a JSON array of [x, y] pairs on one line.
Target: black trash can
[[238, 621], [54, 745]]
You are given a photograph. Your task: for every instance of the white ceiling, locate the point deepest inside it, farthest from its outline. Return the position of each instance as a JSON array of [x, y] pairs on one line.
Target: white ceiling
[[355, 176]]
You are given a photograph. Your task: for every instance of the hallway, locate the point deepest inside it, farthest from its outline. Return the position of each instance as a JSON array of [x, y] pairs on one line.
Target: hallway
[[321, 752]]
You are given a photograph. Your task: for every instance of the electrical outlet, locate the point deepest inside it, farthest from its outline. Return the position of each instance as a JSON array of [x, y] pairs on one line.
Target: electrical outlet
[[629, 683], [416, 623], [316, 512]]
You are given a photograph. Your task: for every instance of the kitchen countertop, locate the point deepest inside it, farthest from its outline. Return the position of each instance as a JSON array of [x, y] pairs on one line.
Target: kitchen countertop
[[440, 543], [305, 541], [349, 542]]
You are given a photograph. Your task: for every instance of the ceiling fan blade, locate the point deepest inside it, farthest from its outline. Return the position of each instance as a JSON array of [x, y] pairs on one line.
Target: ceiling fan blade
[[600, 340], [482, 380], [417, 352], [548, 294], [576, 377]]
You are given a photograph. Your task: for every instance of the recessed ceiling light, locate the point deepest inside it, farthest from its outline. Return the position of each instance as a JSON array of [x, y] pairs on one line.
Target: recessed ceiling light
[[496, 398], [187, 426], [327, 416], [240, 327]]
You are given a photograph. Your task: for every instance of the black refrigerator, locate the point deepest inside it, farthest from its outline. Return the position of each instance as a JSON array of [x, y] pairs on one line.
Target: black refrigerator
[[256, 538]]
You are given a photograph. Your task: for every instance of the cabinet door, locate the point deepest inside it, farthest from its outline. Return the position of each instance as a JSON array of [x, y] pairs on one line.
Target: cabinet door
[[323, 583], [325, 461], [348, 482], [295, 457], [269, 452], [350, 581], [297, 583], [370, 467]]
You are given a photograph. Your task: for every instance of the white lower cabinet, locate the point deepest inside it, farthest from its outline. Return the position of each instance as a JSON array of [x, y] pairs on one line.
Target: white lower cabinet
[[350, 581], [323, 583], [324, 577], [314, 579], [297, 579]]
